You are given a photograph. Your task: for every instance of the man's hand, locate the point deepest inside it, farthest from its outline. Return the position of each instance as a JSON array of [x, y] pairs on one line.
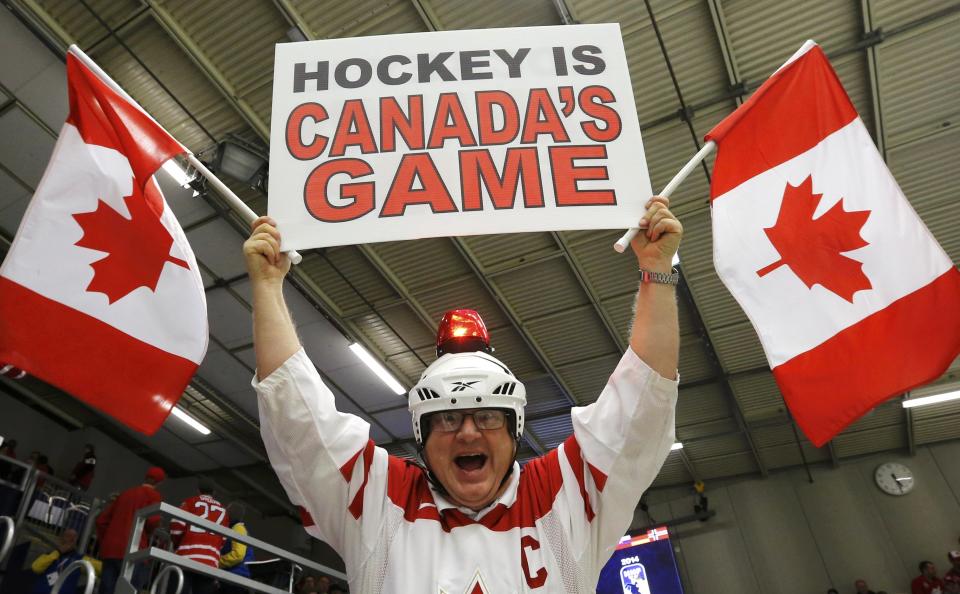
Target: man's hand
[[265, 261], [659, 236]]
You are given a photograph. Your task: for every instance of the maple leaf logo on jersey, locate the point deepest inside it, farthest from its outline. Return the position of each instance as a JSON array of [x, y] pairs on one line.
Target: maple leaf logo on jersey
[[137, 248], [813, 248], [475, 587]]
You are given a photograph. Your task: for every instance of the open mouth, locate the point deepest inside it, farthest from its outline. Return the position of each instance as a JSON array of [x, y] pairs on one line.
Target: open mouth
[[470, 461]]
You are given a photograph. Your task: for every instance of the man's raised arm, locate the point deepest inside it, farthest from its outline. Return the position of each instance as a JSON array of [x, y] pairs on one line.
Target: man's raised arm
[[655, 335], [274, 335]]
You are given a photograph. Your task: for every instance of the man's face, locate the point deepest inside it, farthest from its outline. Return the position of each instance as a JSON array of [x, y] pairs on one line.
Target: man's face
[[860, 585], [67, 540], [470, 463], [930, 570], [323, 584]]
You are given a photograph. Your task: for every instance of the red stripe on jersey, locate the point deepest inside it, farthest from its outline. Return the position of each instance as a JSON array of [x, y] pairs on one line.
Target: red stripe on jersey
[[347, 469], [599, 478], [305, 517], [407, 488], [572, 449], [356, 506], [540, 482]]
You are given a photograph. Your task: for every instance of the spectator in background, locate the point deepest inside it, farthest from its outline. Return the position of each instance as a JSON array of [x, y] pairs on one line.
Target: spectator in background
[[197, 544], [9, 448], [338, 589], [307, 585], [235, 555], [323, 585], [927, 582], [832, 591], [861, 586], [115, 523], [951, 579], [41, 463], [82, 474], [49, 567]]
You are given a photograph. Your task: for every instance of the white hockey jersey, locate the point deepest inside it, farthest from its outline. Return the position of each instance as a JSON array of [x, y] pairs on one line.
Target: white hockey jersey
[[552, 529]]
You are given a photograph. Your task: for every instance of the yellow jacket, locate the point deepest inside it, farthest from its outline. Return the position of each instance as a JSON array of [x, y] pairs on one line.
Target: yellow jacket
[[42, 562], [237, 551]]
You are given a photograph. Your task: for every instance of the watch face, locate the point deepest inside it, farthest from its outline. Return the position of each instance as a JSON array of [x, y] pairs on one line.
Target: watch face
[[894, 478]]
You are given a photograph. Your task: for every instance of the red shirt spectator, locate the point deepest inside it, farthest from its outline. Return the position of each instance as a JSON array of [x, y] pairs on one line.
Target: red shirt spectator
[[951, 579], [196, 543], [927, 582], [115, 522], [82, 474]]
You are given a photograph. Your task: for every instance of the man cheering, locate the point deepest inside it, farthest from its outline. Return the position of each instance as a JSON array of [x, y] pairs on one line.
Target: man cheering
[[469, 519]]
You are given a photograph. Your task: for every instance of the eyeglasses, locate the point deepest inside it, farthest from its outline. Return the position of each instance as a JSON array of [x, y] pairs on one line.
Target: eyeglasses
[[486, 419]]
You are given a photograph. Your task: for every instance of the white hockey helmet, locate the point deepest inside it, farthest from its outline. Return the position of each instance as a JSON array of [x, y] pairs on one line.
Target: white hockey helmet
[[465, 376]]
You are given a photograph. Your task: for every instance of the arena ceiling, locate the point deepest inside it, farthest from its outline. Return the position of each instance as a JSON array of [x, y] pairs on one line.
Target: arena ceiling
[[558, 304]]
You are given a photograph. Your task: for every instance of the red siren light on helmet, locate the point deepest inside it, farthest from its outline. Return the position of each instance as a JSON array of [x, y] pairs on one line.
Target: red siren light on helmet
[[462, 331]]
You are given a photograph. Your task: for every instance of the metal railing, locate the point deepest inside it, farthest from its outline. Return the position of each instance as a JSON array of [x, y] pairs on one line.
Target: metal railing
[[8, 535], [48, 505], [78, 565], [134, 555], [161, 580]]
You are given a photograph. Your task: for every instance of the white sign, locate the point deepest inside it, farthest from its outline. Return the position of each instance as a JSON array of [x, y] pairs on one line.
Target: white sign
[[454, 133]]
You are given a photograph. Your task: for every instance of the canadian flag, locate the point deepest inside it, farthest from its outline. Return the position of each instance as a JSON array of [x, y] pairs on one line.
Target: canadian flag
[[100, 294], [853, 299]]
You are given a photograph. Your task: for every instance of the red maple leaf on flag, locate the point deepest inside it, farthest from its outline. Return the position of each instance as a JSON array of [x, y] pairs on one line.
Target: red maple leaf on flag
[[137, 248], [813, 248]]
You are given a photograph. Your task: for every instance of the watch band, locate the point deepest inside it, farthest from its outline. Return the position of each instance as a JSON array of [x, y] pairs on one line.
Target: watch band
[[663, 278]]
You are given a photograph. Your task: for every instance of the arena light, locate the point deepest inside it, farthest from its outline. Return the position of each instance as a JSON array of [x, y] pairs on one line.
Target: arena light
[[377, 368], [935, 399], [241, 162], [676, 446], [180, 414]]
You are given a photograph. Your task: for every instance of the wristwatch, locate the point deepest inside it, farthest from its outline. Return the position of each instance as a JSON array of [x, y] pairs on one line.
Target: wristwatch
[[663, 278]]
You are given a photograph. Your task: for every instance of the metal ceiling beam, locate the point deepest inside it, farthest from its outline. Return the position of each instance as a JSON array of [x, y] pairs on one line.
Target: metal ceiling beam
[[750, 86], [427, 15], [294, 18], [911, 429], [686, 114], [54, 34], [135, 18], [566, 15], [726, 48], [474, 262], [834, 459], [169, 24], [722, 378], [873, 73], [688, 464], [588, 289]]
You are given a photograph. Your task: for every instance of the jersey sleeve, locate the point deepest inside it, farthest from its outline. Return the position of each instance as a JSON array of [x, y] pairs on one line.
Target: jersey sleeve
[[237, 551], [324, 458], [618, 445]]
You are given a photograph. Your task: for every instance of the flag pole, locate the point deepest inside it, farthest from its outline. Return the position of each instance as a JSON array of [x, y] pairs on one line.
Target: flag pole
[[681, 175], [238, 206]]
